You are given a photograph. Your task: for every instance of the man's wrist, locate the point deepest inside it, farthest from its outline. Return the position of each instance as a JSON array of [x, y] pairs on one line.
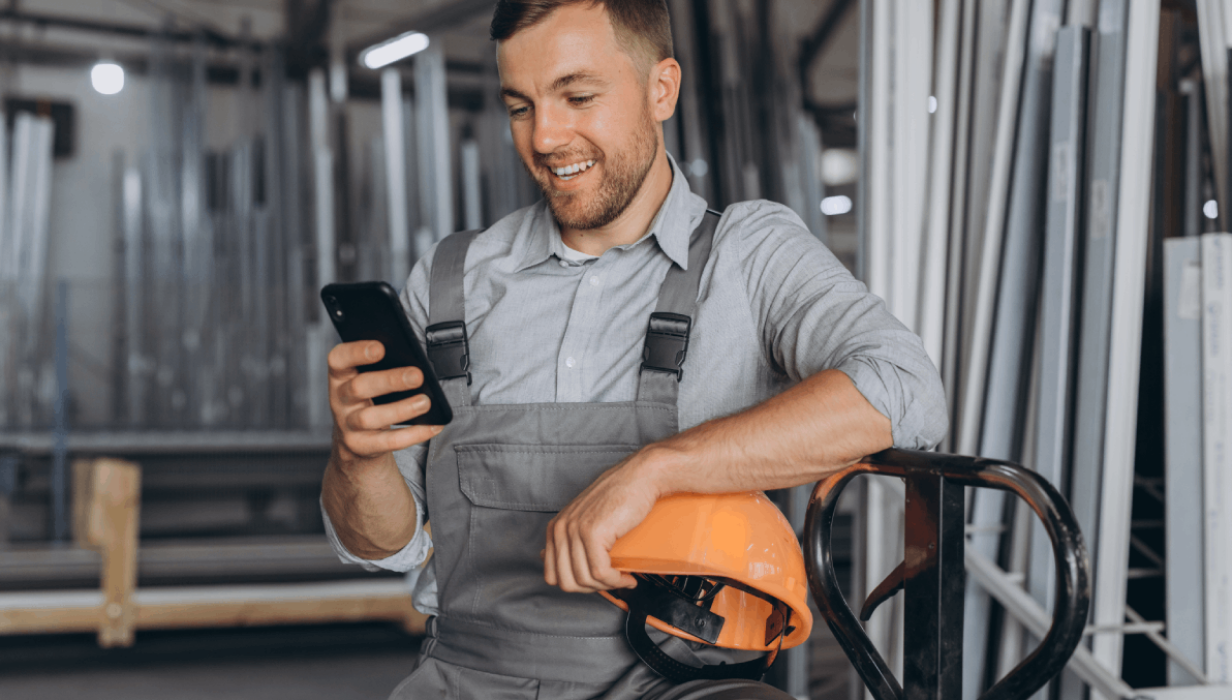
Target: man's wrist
[[660, 465]]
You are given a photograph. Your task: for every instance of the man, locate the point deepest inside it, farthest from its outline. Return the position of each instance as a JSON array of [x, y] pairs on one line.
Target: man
[[561, 441]]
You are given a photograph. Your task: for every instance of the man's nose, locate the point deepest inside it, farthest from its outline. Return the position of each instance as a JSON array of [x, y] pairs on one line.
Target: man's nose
[[553, 130]]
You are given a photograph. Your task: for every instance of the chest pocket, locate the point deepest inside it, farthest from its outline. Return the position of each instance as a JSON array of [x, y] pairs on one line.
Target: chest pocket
[[529, 477], [512, 493]]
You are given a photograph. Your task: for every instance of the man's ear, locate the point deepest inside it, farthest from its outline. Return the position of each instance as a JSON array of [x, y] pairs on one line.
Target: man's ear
[[664, 89]]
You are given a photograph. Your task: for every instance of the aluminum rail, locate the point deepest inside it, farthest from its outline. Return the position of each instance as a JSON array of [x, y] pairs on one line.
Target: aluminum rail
[[934, 543]]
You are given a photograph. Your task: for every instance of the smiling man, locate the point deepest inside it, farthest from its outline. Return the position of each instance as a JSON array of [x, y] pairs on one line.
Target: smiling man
[[549, 332]]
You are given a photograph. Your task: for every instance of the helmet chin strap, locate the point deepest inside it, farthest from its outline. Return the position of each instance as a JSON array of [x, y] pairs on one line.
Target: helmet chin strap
[[669, 606]]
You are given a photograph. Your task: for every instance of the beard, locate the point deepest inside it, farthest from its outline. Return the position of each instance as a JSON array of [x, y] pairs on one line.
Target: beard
[[623, 175]]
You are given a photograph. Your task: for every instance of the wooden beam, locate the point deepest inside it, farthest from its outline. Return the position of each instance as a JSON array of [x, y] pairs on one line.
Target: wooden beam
[[114, 509]]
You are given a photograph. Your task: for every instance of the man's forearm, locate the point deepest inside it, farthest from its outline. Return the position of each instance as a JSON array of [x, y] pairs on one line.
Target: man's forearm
[[370, 506], [800, 436]]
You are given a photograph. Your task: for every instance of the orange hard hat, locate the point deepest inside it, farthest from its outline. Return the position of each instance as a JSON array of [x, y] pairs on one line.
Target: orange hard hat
[[725, 570]]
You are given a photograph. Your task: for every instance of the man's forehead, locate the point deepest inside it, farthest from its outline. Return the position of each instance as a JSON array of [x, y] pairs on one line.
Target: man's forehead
[[574, 40]]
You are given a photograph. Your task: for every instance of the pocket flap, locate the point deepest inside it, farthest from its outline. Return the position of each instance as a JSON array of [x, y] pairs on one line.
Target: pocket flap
[[530, 477]]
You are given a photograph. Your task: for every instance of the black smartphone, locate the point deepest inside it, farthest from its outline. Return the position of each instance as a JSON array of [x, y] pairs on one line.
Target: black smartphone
[[372, 311]]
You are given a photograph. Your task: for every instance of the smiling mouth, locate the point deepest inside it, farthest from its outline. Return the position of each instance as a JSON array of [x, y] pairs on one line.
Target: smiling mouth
[[570, 172]]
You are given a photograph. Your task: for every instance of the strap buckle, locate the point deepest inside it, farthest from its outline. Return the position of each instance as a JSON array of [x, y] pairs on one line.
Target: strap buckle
[[448, 350], [667, 341]]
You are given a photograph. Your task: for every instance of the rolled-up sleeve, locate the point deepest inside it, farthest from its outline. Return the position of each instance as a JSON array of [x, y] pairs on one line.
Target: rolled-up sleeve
[[815, 316], [416, 551]]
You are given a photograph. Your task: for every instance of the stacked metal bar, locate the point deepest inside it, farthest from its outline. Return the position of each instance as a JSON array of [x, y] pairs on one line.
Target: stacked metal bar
[[1039, 292]]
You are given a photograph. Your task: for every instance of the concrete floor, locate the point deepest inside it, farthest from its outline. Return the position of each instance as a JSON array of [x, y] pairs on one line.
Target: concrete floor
[[328, 662], [344, 662]]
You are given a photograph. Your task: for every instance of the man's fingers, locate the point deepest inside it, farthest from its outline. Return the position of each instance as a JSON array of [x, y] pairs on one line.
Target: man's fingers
[[601, 570], [376, 417], [347, 356], [549, 558], [564, 570], [369, 385], [370, 443], [582, 572]]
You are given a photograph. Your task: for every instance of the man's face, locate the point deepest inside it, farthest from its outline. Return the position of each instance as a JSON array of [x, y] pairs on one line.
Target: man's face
[[577, 102]]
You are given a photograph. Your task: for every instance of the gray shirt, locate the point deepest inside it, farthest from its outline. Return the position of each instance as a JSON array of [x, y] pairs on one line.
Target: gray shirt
[[549, 325]]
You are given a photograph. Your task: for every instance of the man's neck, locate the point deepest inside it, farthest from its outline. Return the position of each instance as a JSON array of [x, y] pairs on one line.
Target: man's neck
[[634, 221]]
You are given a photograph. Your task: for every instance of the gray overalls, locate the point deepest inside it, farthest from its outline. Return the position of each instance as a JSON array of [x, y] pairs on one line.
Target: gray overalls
[[496, 476]]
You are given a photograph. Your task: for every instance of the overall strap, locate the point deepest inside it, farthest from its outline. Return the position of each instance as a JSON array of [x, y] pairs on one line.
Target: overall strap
[[448, 349], [667, 333]]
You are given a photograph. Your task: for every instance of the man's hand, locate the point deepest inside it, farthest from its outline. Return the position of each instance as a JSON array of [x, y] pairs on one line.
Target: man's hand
[[367, 499], [580, 537], [362, 426]]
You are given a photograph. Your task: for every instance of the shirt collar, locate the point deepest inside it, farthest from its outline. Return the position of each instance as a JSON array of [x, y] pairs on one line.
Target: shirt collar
[[671, 226]]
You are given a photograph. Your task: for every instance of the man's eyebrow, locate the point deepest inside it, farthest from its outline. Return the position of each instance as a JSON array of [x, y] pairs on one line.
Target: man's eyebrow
[[510, 92], [577, 77], [558, 84]]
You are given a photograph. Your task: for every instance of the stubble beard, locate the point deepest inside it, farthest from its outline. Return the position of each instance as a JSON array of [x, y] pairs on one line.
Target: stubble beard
[[623, 176]]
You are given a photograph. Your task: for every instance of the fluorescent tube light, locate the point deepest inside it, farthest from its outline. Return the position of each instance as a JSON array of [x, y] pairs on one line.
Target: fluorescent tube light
[[833, 206], [395, 49]]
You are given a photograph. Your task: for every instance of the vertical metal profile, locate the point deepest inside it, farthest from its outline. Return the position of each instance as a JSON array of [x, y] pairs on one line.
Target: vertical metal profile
[[1009, 361], [992, 21], [134, 299], [932, 289], [395, 176], [1213, 48], [8, 334], [472, 194], [17, 394], [198, 249], [959, 227], [1133, 227], [320, 336], [812, 186], [295, 288], [1058, 317], [912, 84], [59, 450], [985, 292], [1103, 167], [1017, 288], [273, 193], [987, 509], [1192, 224], [435, 160], [1183, 444]]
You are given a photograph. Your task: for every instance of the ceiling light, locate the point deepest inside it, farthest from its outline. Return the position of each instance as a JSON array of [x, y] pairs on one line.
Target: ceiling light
[[833, 206], [107, 77], [395, 49]]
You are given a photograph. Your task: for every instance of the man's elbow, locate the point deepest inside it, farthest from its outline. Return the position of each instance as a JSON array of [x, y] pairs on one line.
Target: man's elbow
[[927, 419]]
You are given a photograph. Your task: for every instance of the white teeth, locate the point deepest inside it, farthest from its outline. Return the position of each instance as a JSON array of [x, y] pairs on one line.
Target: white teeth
[[566, 172]]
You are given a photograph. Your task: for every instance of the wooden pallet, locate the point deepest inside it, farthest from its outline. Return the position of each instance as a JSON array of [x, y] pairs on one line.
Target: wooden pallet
[[106, 507]]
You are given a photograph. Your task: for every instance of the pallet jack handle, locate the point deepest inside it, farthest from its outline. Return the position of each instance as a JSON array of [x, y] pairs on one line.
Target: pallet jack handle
[[933, 576]]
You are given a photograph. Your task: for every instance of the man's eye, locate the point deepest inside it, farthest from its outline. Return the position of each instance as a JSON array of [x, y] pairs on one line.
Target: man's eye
[[517, 111], [581, 99]]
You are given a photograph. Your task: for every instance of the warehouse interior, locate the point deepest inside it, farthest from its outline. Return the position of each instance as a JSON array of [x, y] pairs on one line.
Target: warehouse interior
[[1036, 188]]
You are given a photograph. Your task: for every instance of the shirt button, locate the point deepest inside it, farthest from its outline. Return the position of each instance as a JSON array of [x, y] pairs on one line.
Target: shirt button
[[563, 263], [570, 363], [594, 281]]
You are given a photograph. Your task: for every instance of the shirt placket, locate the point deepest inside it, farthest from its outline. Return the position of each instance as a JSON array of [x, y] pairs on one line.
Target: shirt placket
[[585, 317]]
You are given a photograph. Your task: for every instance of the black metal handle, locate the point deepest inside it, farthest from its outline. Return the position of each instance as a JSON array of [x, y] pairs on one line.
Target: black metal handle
[[1073, 593]]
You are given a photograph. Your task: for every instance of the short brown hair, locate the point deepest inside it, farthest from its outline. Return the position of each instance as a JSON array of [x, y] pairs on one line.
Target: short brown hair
[[643, 27]]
